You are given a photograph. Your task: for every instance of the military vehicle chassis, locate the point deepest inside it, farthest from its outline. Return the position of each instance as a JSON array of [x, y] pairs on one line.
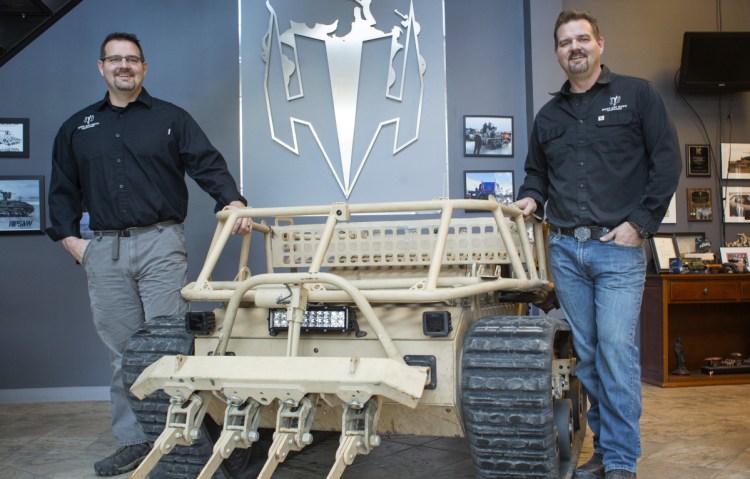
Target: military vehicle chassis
[[438, 341]]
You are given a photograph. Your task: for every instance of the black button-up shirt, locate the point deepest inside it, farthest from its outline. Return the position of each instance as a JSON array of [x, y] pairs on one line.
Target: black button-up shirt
[[128, 165], [604, 157]]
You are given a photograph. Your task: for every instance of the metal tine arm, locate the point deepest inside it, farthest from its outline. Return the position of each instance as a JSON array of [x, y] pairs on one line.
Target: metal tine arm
[[240, 431], [184, 419], [293, 424], [358, 435]]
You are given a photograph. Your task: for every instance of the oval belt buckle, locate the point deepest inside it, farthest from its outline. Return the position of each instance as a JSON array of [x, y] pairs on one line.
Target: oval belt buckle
[[582, 233]]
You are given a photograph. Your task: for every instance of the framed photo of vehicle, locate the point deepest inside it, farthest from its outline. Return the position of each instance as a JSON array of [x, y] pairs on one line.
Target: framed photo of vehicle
[[21, 204], [737, 205], [480, 185], [14, 137], [735, 161], [488, 135], [698, 160], [735, 254], [662, 250]]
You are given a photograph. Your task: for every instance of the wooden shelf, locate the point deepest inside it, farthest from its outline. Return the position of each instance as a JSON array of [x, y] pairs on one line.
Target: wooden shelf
[[708, 312]]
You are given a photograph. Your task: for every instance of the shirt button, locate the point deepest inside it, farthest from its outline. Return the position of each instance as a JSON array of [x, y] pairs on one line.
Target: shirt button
[[581, 186], [121, 187], [583, 208], [117, 135], [119, 160], [580, 121], [580, 163]]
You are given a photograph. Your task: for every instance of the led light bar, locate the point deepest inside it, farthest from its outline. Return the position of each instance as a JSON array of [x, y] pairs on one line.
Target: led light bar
[[315, 318]]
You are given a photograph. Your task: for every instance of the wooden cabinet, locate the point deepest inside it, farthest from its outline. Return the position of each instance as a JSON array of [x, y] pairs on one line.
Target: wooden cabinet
[[709, 313]]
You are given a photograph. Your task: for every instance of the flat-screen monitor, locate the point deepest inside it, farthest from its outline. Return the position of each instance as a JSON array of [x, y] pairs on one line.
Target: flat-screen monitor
[[715, 62]]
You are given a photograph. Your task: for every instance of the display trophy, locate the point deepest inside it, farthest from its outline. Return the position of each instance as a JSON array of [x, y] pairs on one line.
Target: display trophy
[[680, 354]]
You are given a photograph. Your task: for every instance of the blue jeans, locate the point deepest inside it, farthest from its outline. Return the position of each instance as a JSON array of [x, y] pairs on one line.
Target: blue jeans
[[600, 287], [143, 283]]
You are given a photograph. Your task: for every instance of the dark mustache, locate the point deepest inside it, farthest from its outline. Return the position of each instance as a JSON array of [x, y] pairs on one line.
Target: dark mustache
[[576, 52]]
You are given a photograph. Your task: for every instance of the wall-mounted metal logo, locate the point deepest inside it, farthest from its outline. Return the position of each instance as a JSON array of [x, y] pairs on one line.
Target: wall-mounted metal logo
[[344, 55]]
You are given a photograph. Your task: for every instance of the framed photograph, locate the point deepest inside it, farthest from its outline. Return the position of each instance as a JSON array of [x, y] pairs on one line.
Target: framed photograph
[[740, 255], [14, 137], [699, 204], [735, 161], [488, 135], [698, 160], [662, 249], [479, 185], [737, 205], [670, 217], [688, 243], [21, 204]]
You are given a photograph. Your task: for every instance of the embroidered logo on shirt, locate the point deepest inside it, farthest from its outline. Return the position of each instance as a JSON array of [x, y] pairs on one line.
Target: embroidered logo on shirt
[[88, 122], [614, 104]]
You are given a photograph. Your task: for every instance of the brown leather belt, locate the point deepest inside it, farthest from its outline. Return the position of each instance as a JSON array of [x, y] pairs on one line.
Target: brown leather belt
[[582, 233]]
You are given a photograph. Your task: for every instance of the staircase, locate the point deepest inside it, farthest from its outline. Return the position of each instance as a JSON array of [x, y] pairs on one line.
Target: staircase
[[21, 21]]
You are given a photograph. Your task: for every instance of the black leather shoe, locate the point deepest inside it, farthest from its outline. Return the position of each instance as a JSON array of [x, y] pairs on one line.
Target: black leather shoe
[[620, 474], [124, 459], [593, 469]]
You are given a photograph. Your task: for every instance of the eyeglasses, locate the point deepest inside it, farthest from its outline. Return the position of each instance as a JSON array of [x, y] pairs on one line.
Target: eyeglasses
[[115, 59]]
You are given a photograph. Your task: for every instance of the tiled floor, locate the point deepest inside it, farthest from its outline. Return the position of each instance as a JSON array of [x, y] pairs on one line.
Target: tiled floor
[[688, 433]]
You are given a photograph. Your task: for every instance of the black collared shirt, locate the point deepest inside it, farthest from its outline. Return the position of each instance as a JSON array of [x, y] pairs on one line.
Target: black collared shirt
[[604, 157], [127, 166]]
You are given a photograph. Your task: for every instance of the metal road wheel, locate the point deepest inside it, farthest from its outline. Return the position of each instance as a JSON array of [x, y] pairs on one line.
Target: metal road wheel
[[578, 399], [563, 413]]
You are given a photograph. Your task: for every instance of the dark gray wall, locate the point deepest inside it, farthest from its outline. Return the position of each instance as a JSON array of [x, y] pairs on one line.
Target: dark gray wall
[[485, 69], [47, 339]]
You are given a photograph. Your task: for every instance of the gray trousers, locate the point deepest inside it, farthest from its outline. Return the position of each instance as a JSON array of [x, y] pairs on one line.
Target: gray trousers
[[143, 282]]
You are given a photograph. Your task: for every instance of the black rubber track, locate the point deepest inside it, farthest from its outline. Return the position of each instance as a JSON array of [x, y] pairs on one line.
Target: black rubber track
[[166, 335], [506, 397]]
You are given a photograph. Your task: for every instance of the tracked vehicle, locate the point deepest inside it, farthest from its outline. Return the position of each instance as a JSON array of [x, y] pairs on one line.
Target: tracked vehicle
[[14, 208], [390, 318]]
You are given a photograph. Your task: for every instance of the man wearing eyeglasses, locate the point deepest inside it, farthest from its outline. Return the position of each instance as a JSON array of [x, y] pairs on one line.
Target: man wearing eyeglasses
[[125, 159]]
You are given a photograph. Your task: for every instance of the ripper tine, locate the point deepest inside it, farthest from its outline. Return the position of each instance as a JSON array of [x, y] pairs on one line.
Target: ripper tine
[[240, 430], [184, 418]]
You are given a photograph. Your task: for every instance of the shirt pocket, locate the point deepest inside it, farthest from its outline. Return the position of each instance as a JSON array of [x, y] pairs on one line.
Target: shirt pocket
[[617, 131], [552, 141]]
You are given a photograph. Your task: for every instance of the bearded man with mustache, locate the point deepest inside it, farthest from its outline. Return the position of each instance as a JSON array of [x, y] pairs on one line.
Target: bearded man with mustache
[[125, 158], [603, 164]]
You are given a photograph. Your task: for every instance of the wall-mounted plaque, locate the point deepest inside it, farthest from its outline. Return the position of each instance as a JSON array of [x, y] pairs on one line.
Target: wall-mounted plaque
[[699, 204]]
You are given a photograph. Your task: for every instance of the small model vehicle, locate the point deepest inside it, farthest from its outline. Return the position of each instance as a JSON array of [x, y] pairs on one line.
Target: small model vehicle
[[734, 266], [380, 318]]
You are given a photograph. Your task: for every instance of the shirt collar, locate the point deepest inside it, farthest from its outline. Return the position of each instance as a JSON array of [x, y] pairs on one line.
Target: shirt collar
[[605, 76], [143, 97]]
